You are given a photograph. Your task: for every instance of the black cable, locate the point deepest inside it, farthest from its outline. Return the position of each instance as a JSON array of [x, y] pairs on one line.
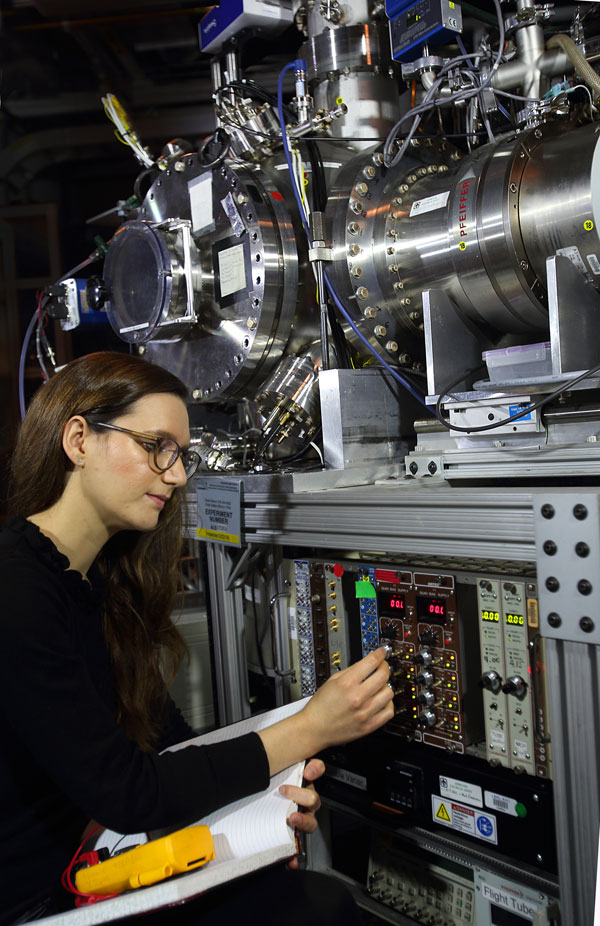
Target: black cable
[[319, 188], [525, 411], [257, 638], [340, 343], [219, 138], [152, 172]]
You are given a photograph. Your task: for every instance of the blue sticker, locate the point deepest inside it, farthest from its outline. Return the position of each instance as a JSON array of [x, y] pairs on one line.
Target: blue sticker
[[485, 826], [515, 409]]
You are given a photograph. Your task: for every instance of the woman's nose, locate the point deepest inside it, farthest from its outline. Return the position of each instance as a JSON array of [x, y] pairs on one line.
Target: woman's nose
[[175, 475]]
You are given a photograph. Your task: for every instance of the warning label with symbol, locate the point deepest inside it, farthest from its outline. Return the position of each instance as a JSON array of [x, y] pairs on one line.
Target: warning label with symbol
[[442, 813], [464, 819]]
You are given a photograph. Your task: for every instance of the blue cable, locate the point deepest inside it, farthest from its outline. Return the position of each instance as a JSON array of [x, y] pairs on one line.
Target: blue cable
[[378, 357], [299, 64]]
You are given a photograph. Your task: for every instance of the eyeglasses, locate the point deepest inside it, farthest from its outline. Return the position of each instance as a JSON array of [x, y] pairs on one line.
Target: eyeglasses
[[165, 452]]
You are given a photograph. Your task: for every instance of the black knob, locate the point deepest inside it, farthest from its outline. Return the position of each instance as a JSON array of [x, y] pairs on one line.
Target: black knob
[[425, 678], [424, 658], [427, 638], [428, 718], [96, 293], [427, 698], [515, 686], [491, 681]]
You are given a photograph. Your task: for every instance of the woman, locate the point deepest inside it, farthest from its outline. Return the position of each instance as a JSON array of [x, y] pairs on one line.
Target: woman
[[88, 567]]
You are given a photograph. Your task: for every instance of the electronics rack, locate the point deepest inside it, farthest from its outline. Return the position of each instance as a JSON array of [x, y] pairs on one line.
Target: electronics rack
[[500, 531]]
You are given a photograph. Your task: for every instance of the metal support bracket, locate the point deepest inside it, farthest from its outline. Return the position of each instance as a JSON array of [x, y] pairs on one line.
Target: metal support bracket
[[574, 310], [452, 345]]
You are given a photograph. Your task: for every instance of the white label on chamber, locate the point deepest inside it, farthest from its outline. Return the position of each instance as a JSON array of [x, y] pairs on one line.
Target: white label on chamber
[[430, 204], [201, 205], [232, 270]]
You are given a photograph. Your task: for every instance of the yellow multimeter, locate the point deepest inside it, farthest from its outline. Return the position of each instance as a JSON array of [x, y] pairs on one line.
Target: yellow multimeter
[[171, 855]]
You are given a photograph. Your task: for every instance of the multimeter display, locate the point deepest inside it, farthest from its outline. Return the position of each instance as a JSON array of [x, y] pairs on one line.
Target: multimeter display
[[431, 609], [390, 604]]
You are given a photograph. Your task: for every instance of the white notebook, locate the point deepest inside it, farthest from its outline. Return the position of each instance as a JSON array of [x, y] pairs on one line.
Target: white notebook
[[249, 834]]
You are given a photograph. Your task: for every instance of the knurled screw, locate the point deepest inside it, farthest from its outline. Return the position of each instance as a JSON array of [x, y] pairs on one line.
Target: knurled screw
[[552, 584], [584, 587], [586, 624], [582, 549], [580, 512], [550, 547], [547, 511], [554, 619]]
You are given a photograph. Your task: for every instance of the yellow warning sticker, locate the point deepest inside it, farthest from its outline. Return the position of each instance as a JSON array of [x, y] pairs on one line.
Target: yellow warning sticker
[[463, 246], [588, 225], [442, 813]]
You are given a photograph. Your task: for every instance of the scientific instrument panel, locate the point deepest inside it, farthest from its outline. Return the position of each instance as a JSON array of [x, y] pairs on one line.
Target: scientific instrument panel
[[466, 757]]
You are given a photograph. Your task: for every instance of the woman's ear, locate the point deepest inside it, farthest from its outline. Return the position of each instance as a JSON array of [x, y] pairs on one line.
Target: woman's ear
[[74, 435]]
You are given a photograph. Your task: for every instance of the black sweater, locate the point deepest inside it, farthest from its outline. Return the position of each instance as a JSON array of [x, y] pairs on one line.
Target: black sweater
[[64, 760]]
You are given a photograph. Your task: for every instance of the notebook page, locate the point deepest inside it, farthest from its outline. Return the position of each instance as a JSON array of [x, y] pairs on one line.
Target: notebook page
[[257, 822]]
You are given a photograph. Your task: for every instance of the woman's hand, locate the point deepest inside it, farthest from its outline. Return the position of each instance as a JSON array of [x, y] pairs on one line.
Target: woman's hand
[[352, 703], [304, 819]]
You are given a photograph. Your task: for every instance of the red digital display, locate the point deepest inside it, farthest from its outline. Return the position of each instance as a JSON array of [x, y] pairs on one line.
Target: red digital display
[[390, 604], [432, 610]]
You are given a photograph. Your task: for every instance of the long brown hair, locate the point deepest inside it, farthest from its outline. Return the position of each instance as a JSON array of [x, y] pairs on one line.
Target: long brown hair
[[141, 570]]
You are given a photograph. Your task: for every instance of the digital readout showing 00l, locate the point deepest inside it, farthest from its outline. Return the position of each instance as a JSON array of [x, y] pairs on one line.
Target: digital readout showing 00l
[[432, 610], [390, 604]]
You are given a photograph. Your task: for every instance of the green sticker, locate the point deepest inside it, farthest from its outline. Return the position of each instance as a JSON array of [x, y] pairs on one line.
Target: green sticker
[[364, 589], [521, 809]]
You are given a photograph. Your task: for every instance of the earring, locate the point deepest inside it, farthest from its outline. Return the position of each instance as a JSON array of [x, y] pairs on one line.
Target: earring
[[80, 461]]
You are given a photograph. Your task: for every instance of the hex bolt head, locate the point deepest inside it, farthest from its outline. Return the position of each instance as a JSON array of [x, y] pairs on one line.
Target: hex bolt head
[[552, 584], [554, 619], [582, 549], [547, 511], [584, 587], [550, 547], [580, 512], [586, 624]]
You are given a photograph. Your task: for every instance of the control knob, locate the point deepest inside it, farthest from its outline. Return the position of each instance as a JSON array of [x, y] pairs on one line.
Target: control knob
[[516, 686], [427, 718], [491, 681], [425, 678], [424, 658], [427, 698]]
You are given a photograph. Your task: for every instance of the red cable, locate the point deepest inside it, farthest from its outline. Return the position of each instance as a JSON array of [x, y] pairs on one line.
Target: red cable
[[81, 897]]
